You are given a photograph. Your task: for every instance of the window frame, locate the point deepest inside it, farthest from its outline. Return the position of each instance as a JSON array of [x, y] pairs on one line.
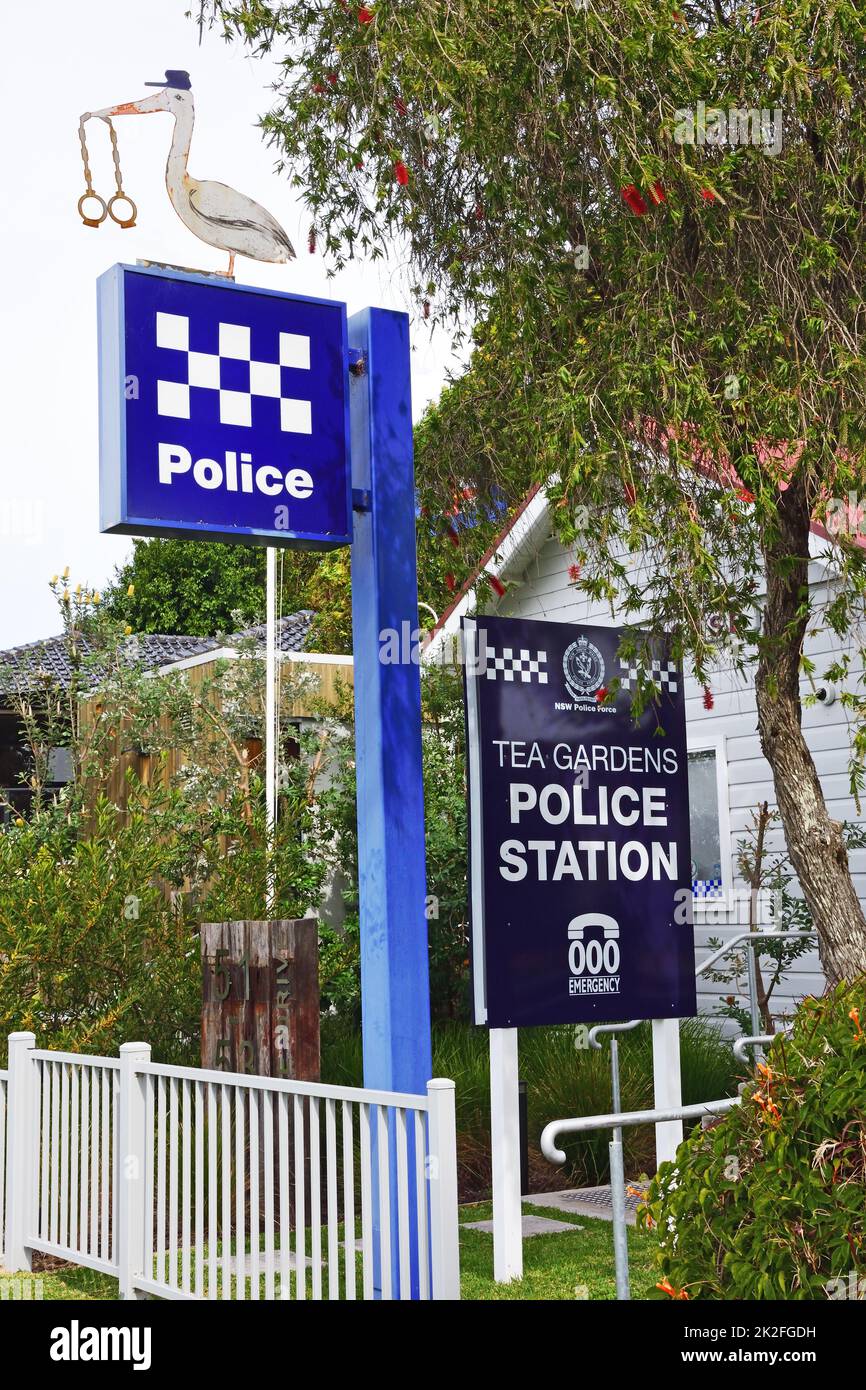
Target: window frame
[[700, 742]]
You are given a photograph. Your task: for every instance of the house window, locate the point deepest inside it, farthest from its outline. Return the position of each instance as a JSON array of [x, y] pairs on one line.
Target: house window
[[708, 816]]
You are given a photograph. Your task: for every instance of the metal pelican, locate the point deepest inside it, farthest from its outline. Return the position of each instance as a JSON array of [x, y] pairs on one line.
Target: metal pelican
[[215, 213]]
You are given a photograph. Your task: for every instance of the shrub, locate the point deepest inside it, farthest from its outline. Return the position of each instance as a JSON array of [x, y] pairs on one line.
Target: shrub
[[771, 1201]]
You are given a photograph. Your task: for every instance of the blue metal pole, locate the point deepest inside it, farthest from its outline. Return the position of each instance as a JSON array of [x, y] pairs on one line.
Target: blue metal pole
[[395, 993]]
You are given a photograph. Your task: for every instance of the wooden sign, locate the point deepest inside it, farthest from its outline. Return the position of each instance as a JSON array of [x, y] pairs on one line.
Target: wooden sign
[[260, 998]]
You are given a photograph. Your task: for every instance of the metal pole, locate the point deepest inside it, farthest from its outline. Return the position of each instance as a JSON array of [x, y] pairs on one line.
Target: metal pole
[[523, 1117], [271, 725], [754, 1014], [617, 1185]]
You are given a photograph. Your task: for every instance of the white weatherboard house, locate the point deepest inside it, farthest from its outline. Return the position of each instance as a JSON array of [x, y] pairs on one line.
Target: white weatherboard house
[[728, 777]]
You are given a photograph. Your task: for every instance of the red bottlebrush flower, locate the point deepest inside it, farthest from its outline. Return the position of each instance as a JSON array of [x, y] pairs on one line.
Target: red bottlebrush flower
[[709, 700], [496, 585], [574, 573], [630, 493], [657, 192], [311, 241], [744, 494], [400, 106], [453, 536], [318, 88], [365, 16], [359, 163], [332, 78], [601, 694], [451, 582], [401, 173], [708, 195], [479, 212], [425, 308], [634, 200]]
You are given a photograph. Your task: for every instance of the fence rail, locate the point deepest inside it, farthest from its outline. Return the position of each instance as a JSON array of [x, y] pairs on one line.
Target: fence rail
[[195, 1184]]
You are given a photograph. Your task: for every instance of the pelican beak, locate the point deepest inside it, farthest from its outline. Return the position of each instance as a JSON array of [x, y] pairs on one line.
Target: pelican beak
[[137, 108]]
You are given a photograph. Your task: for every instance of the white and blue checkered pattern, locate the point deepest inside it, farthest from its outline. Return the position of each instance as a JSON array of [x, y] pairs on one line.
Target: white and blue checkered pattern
[[523, 666], [204, 371], [707, 887], [661, 673]]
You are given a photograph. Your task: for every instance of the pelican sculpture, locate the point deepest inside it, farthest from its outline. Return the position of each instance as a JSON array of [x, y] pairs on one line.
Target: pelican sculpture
[[215, 213]]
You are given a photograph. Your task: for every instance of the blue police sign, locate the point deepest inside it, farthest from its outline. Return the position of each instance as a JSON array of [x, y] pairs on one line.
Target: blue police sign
[[223, 411], [580, 864]]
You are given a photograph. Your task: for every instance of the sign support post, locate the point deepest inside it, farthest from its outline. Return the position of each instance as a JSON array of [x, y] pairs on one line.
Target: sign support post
[[667, 1085], [271, 723], [392, 884], [395, 994], [505, 1153]]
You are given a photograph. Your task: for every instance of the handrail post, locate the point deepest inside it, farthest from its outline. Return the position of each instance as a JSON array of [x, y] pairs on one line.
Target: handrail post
[[21, 1161], [617, 1184], [131, 1157], [442, 1187]]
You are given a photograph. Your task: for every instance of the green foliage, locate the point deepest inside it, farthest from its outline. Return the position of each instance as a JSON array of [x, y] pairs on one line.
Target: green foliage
[[92, 954], [201, 588], [100, 902], [771, 1202], [445, 821], [706, 371], [195, 587]]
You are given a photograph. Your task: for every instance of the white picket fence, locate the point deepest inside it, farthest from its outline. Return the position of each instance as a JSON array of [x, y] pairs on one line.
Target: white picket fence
[[193, 1184]]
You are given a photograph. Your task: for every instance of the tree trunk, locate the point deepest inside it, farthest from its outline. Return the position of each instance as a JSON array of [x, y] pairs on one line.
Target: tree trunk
[[815, 844]]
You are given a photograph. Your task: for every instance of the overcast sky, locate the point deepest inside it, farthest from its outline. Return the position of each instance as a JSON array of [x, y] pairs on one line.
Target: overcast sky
[[93, 54]]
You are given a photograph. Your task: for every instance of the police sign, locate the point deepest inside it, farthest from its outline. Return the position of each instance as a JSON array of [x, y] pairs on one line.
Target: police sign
[[223, 411], [580, 860]]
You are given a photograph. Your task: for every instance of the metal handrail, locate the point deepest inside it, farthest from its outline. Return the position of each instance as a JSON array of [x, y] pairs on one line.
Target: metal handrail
[[755, 936], [584, 1123], [759, 1040]]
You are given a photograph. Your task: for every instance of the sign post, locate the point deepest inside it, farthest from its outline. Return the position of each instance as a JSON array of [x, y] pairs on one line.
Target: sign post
[[579, 854], [225, 415], [395, 991]]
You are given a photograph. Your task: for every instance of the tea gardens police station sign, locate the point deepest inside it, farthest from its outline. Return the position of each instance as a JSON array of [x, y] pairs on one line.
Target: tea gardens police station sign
[[579, 830], [223, 411]]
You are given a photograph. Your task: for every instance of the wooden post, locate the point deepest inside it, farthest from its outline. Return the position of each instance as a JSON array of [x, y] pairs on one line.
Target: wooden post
[[260, 998]]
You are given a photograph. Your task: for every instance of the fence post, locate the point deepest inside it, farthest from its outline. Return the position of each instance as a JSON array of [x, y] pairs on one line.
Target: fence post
[[131, 1159], [21, 1161], [442, 1186]]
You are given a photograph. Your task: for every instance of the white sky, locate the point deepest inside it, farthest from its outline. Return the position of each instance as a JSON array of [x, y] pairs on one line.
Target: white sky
[[93, 54]]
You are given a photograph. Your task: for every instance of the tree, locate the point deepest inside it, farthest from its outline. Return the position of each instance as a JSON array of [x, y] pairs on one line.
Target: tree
[[653, 214], [200, 588]]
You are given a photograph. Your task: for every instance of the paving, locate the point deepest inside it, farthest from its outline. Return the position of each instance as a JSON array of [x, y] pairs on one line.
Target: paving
[[532, 1226], [589, 1201]]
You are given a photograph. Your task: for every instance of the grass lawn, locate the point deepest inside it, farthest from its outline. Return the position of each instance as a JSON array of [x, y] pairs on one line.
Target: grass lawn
[[555, 1266]]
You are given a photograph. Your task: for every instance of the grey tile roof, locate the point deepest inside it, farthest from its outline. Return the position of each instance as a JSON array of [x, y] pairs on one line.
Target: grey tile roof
[[28, 663], [291, 631]]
